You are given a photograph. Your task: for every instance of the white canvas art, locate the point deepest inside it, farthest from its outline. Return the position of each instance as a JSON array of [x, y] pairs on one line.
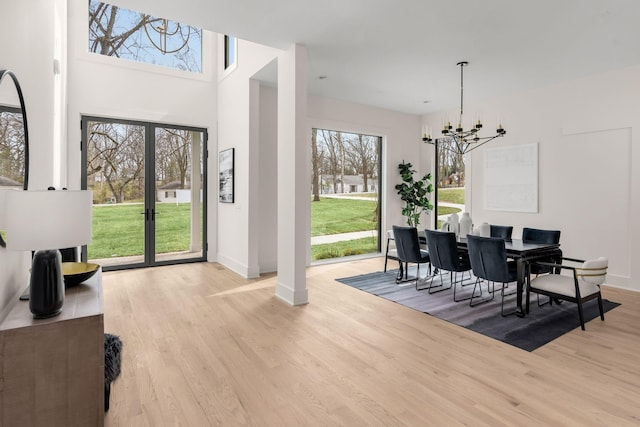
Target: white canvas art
[[511, 178]]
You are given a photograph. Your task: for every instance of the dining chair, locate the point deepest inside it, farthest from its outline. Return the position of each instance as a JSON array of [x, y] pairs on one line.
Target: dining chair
[[489, 262], [408, 247], [536, 235], [502, 231], [582, 285], [445, 256], [391, 251]]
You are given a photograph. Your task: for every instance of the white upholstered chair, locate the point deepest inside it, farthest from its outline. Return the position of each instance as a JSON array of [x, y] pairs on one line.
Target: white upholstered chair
[[582, 285], [391, 252]]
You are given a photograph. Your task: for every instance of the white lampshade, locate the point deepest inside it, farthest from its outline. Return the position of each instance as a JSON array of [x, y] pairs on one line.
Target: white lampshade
[[46, 219]]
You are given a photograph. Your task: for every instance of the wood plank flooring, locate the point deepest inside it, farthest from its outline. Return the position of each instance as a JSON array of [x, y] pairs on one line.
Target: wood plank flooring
[[205, 347]]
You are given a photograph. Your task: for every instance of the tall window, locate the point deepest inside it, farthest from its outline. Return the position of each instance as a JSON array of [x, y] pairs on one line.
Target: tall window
[[229, 51], [450, 182], [127, 34], [345, 203]]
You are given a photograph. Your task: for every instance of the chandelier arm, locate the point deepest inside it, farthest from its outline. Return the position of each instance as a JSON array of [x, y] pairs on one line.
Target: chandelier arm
[[482, 143], [458, 144]]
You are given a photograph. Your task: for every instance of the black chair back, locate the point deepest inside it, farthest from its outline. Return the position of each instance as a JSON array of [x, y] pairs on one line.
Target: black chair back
[[502, 231], [407, 244], [543, 236], [443, 250], [540, 236], [489, 258]]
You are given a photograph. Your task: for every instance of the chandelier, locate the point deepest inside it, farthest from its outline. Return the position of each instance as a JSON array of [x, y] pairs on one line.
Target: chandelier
[[459, 140]]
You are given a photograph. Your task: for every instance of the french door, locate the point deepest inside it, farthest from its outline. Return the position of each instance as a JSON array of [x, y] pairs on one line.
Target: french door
[[149, 192]]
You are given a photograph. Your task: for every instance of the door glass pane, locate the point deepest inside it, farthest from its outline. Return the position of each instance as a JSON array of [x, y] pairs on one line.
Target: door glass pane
[[115, 174], [178, 195], [450, 182]]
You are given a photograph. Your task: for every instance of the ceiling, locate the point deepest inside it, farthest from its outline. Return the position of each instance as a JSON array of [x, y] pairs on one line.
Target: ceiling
[[402, 54]]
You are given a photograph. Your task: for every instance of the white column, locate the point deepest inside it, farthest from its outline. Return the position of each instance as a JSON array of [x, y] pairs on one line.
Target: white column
[[293, 176], [253, 209]]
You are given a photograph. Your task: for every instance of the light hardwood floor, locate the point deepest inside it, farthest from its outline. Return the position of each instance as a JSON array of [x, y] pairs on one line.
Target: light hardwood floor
[[205, 347]]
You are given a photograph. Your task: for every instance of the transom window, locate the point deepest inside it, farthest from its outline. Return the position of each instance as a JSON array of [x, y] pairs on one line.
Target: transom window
[[229, 51], [127, 34]]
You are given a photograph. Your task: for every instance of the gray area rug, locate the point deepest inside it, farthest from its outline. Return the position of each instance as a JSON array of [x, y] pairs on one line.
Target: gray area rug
[[542, 325]]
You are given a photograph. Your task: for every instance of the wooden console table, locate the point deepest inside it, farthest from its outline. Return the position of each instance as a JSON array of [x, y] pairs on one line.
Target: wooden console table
[[52, 370]]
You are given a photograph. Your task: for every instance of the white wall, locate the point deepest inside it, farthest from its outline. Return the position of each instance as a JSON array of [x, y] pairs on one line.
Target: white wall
[[235, 101], [27, 29], [588, 179], [401, 141]]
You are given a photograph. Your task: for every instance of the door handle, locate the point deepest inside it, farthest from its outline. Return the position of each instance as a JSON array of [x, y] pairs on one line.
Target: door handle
[[146, 214]]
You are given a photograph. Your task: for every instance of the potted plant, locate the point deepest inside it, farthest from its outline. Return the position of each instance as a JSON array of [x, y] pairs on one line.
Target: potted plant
[[414, 193]]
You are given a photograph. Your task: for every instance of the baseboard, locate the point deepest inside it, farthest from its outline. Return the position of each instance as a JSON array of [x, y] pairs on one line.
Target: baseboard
[[235, 266]]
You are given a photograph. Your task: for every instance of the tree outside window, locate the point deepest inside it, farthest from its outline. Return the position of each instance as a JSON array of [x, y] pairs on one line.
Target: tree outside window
[[127, 34]]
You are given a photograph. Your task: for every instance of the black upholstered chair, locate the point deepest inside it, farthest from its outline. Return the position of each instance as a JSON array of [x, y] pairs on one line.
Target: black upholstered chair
[[489, 262], [409, 252], [502, 231], [445, 256], [583, 284], [536, 235]]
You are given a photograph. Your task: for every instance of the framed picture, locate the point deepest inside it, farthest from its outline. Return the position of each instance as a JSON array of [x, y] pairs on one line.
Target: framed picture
[[225, 171]]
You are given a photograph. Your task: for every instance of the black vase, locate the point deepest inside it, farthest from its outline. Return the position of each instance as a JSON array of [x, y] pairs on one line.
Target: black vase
[[46, 295]]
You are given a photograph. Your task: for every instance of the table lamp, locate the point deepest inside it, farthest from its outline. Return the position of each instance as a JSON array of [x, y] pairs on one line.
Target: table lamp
[[44, 221]]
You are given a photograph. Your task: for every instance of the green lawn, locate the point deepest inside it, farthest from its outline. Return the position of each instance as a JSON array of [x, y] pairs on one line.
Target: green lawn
[[334, 216], [446, 210], [346, 248], [451, 195], [118, 230]]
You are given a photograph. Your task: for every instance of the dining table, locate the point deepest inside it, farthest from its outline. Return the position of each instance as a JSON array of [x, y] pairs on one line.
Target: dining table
[[523, 252]]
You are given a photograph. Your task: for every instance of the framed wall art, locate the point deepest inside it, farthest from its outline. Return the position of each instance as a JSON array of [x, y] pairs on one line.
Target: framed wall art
[[225, 173]]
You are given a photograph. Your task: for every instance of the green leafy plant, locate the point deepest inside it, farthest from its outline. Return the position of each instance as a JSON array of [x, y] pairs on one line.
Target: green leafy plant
[[414, 193]]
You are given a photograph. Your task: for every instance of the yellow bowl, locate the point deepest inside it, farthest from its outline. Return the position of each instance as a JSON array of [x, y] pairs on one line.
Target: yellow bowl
[[77, 272]]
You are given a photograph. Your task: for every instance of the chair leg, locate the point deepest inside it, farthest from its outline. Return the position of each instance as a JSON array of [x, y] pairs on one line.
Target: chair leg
[[600, 307], [402, 270], [581, 314], [418, 277], [441, 285], [502, 303], [455, 286], [479, 284], [550, 302], [528, 294], [427, 277]]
